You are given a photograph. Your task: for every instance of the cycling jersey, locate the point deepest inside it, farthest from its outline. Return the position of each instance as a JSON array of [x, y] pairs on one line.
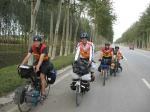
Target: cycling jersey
[[107, 53], [84, 51], [37, 51]]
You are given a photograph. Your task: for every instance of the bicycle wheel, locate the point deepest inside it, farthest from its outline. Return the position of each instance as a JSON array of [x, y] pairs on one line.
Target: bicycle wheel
[[23, 105], [77, 95], [111, 71], [116, 69], [115, 73], [104, 77]]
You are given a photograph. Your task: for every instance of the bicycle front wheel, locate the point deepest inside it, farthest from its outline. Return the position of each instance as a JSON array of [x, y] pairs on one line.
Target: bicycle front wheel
[[77, 95]]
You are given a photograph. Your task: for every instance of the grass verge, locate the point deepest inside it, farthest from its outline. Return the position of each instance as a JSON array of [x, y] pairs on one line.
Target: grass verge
[[10, 80]]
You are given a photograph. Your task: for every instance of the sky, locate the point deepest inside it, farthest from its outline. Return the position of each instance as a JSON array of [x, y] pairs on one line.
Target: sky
[[128, 12]]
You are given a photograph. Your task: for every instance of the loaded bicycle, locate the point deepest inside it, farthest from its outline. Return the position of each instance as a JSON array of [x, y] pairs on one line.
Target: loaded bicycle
[[29, 95], [81, 84], [104, 68]]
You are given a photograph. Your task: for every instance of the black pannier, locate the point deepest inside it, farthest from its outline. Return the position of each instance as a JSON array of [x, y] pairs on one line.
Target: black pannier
[[80, 68], [51, 76], [25, 71]]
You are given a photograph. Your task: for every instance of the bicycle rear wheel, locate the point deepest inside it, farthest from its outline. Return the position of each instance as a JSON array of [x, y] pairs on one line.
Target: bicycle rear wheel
[[104, 78]]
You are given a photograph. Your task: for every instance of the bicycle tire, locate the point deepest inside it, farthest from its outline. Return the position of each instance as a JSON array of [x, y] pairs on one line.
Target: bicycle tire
[[77, 95], [111, 72], [104, 78]]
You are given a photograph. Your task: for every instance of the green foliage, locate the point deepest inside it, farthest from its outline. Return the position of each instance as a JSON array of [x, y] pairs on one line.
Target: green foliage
[[9, 79], [102, 16], [62, 61]]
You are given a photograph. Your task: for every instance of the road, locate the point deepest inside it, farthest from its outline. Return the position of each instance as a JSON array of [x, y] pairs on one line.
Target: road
[[129, 91]]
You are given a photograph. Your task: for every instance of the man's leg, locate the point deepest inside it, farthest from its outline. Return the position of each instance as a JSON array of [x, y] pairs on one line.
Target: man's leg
[[92, 72], [43, 84], [120, 66]]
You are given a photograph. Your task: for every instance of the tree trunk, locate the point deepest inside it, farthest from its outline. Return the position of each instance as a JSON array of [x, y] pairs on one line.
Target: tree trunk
[[147, 41], [67, 30], [51, 35], [75, 37], [56, 31], [63, 35], [34, 11], [143, 41], [70, 37]]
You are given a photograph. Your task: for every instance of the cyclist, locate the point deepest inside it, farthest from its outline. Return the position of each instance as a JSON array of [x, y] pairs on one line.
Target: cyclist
[[106, 56], [42, 64], [119, 55], [83, 52]]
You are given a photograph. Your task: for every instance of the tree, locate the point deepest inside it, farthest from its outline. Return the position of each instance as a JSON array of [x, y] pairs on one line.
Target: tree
[[34, 10]]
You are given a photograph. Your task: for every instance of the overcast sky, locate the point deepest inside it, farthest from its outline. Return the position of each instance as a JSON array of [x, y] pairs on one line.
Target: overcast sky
[[128, 12]]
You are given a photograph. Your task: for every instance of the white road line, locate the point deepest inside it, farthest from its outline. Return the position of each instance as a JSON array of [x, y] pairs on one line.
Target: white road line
[[146, 83]]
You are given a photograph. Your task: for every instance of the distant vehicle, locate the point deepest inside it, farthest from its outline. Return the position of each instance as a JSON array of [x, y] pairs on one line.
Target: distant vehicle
[[131, 46]]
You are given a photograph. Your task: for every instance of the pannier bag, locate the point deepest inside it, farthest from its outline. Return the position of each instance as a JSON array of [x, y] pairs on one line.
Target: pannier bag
[[25, 71], [19, 95], [51, 76]]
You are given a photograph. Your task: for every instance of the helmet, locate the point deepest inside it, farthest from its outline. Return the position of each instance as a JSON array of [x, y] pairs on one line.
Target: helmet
[[116, 47], [37, 38], [84, 35], [107, 44]]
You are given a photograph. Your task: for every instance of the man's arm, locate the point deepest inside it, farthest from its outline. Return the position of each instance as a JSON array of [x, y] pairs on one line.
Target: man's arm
[[101, 54], [77, 53], [91, 54], [40, 62], [44, 52], [26, 59]]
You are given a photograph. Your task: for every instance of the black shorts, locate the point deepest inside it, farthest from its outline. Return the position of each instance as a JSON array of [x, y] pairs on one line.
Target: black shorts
[[46, 67]]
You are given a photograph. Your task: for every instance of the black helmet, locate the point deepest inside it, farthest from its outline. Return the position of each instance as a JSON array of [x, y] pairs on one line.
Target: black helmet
[[107, 44], [37, 38], [84, 35], [116, 47]]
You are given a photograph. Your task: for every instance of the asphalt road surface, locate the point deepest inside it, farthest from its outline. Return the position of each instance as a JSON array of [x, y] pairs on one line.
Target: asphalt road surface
[[129, 91]]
